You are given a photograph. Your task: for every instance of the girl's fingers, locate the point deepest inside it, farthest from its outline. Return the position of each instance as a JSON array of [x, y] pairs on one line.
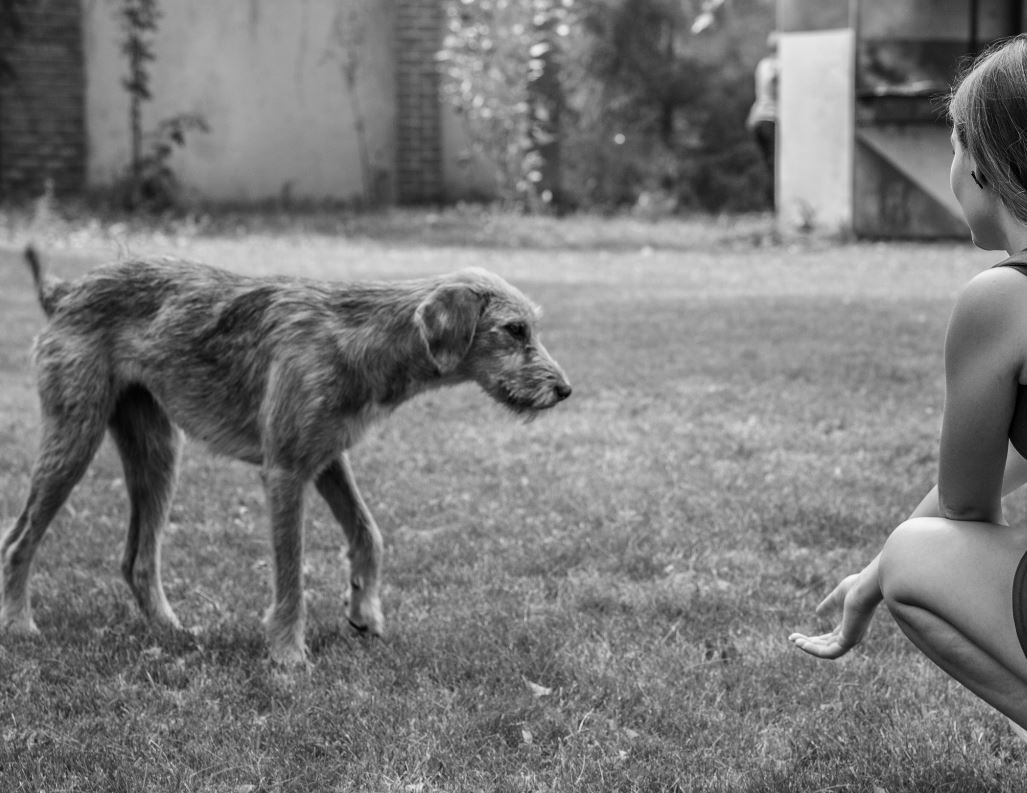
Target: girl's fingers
[[824, 646]]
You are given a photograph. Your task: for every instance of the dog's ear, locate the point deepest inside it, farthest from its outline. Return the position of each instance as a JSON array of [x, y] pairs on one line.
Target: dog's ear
[[446, 321]]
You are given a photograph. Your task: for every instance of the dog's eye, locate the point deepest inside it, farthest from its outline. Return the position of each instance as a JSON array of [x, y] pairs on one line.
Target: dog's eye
[[518, 330]]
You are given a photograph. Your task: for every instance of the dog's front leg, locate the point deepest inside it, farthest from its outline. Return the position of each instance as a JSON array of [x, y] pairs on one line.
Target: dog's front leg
[[336, 485], [286, 617]]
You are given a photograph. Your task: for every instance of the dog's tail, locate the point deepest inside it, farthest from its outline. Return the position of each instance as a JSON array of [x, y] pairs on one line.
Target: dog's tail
[[49, 290]]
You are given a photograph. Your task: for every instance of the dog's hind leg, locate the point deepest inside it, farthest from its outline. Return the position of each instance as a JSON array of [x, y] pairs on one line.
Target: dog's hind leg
[[149, 445], [336, 485], [68, 446]]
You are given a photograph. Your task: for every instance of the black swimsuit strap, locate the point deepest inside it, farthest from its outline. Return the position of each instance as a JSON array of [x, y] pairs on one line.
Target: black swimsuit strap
[[1018, 261]]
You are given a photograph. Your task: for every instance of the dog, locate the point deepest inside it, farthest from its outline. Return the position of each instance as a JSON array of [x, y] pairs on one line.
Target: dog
[[284, 373]]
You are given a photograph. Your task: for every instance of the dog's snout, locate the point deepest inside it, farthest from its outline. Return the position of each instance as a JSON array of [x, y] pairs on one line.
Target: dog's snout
[[563, 390]]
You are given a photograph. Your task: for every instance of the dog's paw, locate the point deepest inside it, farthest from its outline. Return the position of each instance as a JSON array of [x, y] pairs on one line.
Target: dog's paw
[[163, 626], [289, 658], [18, 625], [22, 629], [163, 619]]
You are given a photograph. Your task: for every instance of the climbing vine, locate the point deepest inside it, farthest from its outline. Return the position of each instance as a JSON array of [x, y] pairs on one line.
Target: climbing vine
[[150, 183]]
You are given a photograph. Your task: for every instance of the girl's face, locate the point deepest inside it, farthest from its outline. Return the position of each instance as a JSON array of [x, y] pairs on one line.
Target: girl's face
[[975, 199]]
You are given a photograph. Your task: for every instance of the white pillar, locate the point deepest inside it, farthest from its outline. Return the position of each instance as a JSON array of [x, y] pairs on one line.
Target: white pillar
[[815, 130]]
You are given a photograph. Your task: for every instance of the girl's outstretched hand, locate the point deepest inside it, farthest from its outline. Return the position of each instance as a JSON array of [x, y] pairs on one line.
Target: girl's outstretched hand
[[855, 597]]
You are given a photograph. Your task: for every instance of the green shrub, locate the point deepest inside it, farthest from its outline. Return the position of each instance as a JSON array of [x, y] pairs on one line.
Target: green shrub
[[606, 103]]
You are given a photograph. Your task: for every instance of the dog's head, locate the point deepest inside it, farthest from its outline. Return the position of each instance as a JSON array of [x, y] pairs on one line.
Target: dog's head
[[477, 327]]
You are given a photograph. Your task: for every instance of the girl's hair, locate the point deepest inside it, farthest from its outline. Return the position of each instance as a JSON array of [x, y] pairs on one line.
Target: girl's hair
[[988, 110]]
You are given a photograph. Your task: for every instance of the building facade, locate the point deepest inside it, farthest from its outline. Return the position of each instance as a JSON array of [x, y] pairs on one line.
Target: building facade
[[863, 141]]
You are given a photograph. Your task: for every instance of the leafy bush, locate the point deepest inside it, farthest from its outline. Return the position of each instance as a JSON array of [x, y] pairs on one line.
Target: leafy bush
[[619, 97], [11, 27], [494, 56], [151, 184]]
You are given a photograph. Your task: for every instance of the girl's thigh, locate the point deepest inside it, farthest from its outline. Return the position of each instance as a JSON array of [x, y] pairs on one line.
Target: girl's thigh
[[962, 572]]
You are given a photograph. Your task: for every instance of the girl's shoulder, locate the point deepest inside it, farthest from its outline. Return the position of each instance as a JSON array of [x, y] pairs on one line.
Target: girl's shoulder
[[992, 309]]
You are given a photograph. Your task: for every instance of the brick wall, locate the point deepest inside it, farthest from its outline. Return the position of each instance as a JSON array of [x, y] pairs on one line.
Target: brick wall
[[419, 31], [42, 124]]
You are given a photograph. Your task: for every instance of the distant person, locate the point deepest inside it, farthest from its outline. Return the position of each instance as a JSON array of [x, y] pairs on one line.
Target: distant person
[[954, 575], [762, 119]]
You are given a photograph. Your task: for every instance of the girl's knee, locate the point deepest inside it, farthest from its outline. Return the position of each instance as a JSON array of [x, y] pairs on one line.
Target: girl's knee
[[909, 558]]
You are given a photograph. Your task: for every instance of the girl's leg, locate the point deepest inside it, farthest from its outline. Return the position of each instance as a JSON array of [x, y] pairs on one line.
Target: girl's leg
[[949, 585]]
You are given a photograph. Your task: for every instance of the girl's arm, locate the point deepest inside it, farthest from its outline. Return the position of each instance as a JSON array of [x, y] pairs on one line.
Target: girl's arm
[[983, 367], [984, 362], [1013, 478]]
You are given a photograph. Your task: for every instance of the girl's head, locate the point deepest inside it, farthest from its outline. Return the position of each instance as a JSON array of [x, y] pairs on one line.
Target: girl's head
[[988, 111]]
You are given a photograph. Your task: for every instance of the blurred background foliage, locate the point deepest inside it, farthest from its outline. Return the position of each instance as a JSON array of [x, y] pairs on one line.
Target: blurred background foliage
[[11, 27], [609, 104]]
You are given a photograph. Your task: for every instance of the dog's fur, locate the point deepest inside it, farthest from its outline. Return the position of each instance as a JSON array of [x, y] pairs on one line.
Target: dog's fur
[[284, 373]]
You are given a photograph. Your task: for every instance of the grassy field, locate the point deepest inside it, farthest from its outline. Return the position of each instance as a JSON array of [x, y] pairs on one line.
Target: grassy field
[[596, 601]]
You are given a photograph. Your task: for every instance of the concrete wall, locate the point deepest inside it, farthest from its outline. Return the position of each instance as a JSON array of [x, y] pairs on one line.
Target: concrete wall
[[268, 76], [795, 15], [929, 19], [815, 129]]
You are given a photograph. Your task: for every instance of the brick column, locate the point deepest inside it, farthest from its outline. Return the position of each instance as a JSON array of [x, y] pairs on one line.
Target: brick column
[[42, 110], [419, 31]]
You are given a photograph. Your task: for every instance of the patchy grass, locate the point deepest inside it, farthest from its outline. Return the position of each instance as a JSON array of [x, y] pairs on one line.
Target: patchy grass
[[598, 600], [461, 226]]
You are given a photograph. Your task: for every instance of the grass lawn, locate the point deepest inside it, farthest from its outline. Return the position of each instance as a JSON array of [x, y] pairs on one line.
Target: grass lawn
[[596, 601]]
